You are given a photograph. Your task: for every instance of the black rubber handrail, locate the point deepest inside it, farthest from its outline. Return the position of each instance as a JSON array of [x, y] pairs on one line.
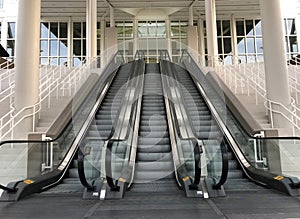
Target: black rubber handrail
[[223, 147], [197, 150], [108, 156], [286, 184], [81, 154]]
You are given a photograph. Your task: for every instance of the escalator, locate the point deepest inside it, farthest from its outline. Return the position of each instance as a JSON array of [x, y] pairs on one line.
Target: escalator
[[99, 130], [209, 131], [154, 168]]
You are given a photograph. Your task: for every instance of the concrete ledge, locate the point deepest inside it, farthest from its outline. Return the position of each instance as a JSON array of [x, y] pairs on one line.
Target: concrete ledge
[[235, 106]]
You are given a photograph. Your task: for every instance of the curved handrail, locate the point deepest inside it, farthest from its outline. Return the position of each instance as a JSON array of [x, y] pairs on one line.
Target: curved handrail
[[108, 160], [257, 175], [70, 150], [197, 151]]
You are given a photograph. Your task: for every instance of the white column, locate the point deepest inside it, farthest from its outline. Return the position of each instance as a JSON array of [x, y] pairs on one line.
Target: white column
[[102, 42], [275, 58], [112, 16], [201, 42], [70, 42], [234, 40], [91, 18], [211, 30], [168, 36], [191, 16], [135, 35], [27, 55]]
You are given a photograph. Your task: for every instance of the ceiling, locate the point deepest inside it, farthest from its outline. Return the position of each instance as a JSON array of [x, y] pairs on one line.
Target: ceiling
[[128, 8]]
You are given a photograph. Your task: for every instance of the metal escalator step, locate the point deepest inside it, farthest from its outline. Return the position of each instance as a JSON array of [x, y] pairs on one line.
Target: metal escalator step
[[154, 166], [156, 128], [146, 176], [152, 141], [235, 174], [154, 148], [153, 156]]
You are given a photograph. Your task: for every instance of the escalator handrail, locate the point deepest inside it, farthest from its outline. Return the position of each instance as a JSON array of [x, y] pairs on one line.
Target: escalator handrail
[[133, 111], [194, 141], [81, 155], [61, 169]]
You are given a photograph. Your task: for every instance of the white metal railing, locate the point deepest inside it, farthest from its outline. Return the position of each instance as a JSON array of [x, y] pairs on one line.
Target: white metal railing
[[249, 78], [49, 83]]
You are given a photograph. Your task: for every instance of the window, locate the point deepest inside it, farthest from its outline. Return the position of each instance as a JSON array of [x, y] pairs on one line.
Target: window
[[152, 29], [179, 38], [54, 43], [249, 39], [224, 40], [291, 37], [79, 42], [1, 4], [125, 38], [11, 37]]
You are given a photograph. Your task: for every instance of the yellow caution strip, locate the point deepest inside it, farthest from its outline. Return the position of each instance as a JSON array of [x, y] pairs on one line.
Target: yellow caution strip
[[186, 178], [279, 178], [28, 181], [122, 180]]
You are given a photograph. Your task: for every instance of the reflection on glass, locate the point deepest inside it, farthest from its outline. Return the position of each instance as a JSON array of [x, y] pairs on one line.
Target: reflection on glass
[[241, 46], [77, 30], [53, 47], [259, 45], [226, 28], [258, 30], [250, 45], [44, 48], [11, 33], [44, 30], [63, 49], [249, 28], [54, 30]]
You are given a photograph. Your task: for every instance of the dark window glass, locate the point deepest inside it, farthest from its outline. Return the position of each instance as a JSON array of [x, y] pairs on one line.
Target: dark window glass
[[249, 28], [240, 28], [54, 30], [77, 30], [219, 28], [226, 28], [227, 45], [77, 47], [63, 30], [258, 29]]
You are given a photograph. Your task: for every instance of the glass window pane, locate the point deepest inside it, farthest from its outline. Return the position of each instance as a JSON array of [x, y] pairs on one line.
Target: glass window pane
[[227, 45], [151, 29], [44, 30], [63, 61], [11, 47], [242, 59], [63, 30], [44, 48], [83, 30], [290, 26], [250, 45], [11, 30], [259, 45], [219, 28], [240, 28], [77, 47], [293, 44], [77, 30], [249, 27], [258, 29], [161, 29], [53, 47], [54, 30], [63, 48], [142, 29], [84, 47], [226, 28], [241, 46], [220, 46], [44, 61]]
